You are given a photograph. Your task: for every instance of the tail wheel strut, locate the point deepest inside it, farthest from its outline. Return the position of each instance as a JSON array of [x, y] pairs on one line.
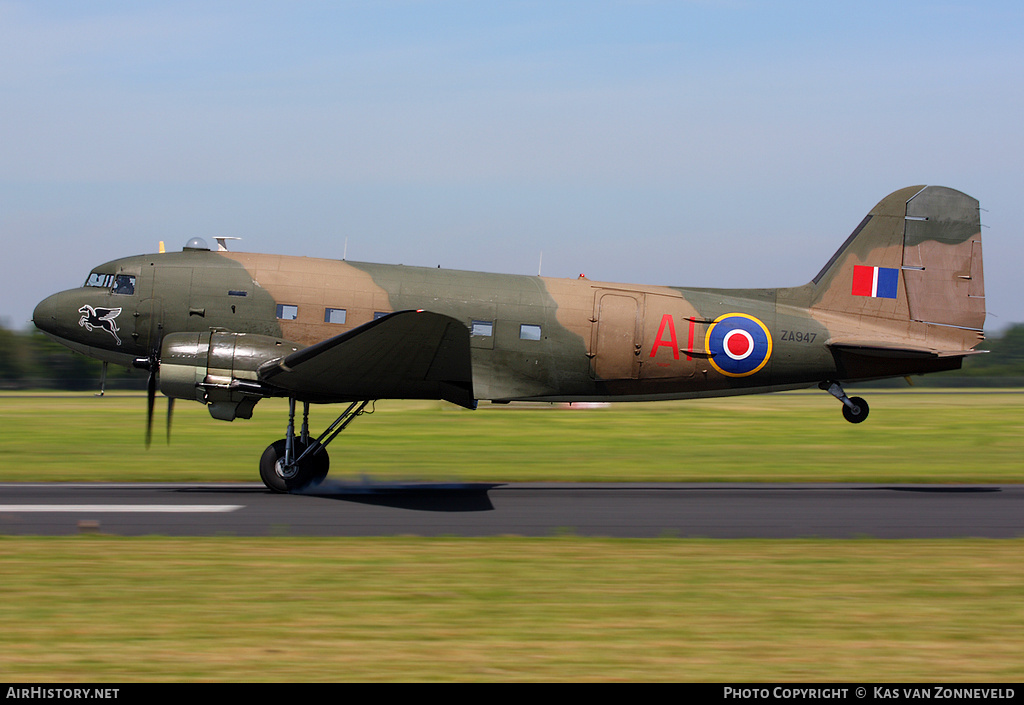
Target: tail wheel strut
[[855, 409]]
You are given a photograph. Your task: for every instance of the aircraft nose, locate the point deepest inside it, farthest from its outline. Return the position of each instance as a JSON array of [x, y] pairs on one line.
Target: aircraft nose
[[45, 314], [58, 314]]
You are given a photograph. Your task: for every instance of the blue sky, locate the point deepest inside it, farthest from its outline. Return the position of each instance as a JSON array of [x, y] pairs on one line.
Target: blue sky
[[685, 143]]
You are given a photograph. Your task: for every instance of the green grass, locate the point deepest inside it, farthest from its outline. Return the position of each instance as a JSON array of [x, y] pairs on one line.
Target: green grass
[[928, 437], [107, 609]]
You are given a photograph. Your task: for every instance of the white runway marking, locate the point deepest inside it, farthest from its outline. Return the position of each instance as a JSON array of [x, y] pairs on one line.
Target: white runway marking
[[123, 508]]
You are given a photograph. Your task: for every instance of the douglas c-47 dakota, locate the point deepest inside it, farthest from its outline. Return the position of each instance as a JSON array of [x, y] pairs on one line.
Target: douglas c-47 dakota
[[903, 295]]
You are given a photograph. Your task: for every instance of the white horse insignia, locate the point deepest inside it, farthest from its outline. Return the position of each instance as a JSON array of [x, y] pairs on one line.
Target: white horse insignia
[[100, 318]]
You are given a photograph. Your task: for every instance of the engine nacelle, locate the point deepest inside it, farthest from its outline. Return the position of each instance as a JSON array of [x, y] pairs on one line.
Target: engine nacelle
[[218, 369]]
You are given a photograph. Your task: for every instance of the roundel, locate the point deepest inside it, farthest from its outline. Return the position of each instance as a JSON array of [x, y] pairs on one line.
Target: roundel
[[739, 345]]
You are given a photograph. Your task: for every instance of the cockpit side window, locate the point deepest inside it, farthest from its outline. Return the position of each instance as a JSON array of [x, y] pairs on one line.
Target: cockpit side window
[[124, 284]]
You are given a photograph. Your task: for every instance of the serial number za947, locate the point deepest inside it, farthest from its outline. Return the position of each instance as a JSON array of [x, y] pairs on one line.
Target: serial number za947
[[798, 336]]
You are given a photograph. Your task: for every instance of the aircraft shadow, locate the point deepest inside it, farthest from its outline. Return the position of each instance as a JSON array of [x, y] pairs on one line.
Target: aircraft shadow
[[426, 497], [419, 496]]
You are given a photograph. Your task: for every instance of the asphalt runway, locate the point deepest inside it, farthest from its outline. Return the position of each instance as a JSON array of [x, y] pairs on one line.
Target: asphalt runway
[[484, 509]]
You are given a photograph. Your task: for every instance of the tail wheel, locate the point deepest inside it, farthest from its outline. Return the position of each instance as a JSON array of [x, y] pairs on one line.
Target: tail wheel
[[858, 412], [281, 478]]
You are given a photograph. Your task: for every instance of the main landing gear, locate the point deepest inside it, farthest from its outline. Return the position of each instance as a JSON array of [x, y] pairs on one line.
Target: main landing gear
[[855, 409], [296, 462]]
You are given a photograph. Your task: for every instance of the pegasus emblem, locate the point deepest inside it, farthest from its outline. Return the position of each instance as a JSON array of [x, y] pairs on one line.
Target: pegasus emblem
[[100, 318]]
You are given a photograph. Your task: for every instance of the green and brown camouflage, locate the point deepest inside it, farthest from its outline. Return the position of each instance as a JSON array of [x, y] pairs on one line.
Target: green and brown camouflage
[[903, 295]]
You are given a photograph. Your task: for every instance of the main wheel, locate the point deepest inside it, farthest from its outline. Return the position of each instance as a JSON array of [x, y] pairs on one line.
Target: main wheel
[[858, 413], [320, 466], [279, 478]]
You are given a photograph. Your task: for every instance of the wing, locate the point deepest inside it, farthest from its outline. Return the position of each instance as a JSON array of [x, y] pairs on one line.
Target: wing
[[404, 355]]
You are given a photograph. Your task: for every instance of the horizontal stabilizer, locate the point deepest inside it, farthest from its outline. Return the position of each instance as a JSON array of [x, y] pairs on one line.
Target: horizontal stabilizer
[[404, 355], [862, 359], [881, 349]]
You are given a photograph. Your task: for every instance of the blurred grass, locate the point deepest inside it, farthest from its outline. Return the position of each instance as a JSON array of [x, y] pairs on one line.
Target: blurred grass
[[95, 608], [909, 437]]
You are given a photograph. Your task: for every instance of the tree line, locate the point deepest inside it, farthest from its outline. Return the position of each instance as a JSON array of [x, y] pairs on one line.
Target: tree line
[[30, 360]]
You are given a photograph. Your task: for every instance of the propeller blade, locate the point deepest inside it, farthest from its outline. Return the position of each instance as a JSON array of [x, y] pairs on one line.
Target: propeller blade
[[150, 401], [170, 413]]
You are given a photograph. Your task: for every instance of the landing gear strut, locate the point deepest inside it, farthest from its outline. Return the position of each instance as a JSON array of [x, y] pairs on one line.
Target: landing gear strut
[[296, 462], [855, 409]]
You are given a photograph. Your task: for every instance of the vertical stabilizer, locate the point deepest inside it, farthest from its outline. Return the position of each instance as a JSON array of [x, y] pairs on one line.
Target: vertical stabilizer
[[915, 257]]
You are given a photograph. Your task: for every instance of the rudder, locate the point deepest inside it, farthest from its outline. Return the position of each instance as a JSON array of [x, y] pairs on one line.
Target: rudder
[[942, 264]]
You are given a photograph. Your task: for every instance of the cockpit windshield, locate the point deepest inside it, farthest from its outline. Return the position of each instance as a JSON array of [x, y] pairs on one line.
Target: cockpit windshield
[[117, 283], [98, 279]]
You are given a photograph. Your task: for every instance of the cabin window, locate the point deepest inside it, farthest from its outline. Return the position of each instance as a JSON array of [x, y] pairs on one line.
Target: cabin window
[[335, 315], [287, 312], [124, 284], [529, 332], [379, 314], [482, 328], [237, 292]]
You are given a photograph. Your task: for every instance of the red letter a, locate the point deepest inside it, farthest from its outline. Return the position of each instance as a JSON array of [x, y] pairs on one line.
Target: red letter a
[[666, 321]]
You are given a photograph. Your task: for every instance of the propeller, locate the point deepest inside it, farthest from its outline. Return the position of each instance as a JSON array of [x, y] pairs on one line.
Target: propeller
[[150, 401], [152, 365]]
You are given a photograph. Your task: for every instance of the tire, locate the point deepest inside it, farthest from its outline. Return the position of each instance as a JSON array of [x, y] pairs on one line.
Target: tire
[[320, 465], [310, 474], [858, 415], [268, 467]]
